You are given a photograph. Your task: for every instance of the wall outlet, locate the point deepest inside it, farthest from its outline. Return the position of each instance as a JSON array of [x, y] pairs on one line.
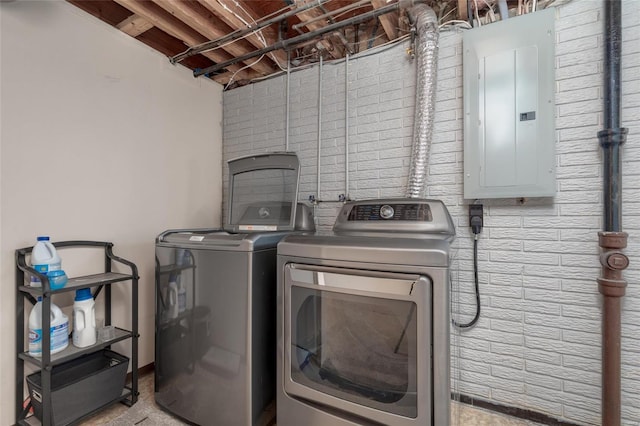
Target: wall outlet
[[476, 218]]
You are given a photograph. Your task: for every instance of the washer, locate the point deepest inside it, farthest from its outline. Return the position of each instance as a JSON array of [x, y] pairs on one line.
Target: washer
[[363, 331], [215, 341]]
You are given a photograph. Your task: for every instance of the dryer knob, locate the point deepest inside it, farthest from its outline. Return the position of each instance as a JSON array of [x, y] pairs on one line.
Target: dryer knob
[[386, 212]]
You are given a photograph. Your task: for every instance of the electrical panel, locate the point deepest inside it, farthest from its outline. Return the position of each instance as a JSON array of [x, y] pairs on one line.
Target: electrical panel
[[509, 108]]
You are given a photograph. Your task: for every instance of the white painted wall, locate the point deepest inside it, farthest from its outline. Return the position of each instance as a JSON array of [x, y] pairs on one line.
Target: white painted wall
[[537, 345], [101, 139]]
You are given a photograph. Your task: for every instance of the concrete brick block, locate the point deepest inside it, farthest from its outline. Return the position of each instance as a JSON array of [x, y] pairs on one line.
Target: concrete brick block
[[542, 380], [572, 121], [525, 258], [561, 222], [541, 356], [533, 403], [547, 330], [583, 235], [565, 272], [584, 94], [531, 234], [586, 417], [560, 247], [577, 45], [592, 56], [590, 16], [579, 108]]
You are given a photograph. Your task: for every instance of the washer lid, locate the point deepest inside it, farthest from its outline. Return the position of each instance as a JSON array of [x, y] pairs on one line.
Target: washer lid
[[263, 192]]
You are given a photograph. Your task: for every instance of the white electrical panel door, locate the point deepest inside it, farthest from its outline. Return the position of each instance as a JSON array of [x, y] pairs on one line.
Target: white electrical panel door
[[509, 124]]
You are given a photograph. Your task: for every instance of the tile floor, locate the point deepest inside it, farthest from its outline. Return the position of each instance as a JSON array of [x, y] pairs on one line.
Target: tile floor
[[152, 415]]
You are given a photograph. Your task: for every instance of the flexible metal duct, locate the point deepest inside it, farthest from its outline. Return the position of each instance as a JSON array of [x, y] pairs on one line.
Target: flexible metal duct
[[426, 24]]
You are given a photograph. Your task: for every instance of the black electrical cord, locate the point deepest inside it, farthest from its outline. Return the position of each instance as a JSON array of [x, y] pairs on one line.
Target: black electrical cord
[[475, 277]]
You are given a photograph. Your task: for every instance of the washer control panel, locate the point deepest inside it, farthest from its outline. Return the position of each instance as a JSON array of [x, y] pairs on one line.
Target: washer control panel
[[391, 211]]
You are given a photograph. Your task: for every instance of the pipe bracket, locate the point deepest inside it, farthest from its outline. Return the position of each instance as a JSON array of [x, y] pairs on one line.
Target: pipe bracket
[[613, 137], [611, 287], [612, 240]]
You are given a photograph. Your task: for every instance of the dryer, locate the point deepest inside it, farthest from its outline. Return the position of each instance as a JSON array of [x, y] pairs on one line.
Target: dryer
[[363, 331]]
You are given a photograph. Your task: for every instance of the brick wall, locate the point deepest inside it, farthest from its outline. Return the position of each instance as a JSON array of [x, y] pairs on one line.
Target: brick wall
[[537, 345]]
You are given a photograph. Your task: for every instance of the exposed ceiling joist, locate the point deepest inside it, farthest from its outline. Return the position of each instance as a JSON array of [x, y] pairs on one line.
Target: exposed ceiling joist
[[334, 49], [134, 25], [211, 27], [462, 10], [389, 21], [295, 41], [242, 40], [176, 28], [238, 15]]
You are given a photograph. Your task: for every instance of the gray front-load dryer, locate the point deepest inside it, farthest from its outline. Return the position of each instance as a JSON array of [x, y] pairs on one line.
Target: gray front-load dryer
[[216, 299], [363, 331]]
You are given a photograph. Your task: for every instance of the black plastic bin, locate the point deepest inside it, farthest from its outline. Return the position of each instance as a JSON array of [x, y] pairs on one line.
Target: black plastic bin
[[81, 386]]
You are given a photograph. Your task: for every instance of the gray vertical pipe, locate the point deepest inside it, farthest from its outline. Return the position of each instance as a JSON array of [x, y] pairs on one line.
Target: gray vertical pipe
[[319, 124], [288, 100], [612, 137], [346, 127]]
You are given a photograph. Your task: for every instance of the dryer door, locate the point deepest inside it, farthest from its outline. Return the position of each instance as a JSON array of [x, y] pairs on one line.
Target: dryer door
[[359, 342]]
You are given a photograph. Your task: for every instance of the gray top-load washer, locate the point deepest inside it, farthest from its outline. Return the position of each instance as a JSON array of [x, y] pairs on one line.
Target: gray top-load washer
[[363, 332], [216, 299]]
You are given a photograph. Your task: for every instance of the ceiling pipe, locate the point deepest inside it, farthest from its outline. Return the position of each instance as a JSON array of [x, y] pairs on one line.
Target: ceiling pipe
[[238, 34], [611, 283], [289, 43], [329, 15]]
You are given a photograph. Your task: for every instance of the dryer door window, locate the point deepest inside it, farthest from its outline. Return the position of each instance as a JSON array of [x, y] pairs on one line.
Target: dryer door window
[[356, 345]]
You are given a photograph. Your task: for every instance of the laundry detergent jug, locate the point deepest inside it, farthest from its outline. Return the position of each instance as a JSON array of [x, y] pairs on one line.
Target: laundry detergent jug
[[44, 258], [59, 329]]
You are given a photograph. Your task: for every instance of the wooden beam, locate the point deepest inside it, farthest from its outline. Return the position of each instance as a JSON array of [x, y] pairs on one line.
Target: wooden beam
[[178, 29], [209, 25], [307, 15], [105, 10], [462, 10], [134, 25], [389, 21], [237, 14]]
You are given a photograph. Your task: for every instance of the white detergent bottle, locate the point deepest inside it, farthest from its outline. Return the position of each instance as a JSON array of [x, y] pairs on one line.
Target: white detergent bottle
[[172, 299], [84, 319], [182, 298], [59, 329], [44, 258]]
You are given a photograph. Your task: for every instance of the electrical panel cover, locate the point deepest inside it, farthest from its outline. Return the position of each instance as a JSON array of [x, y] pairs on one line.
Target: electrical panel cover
[[509, 108]]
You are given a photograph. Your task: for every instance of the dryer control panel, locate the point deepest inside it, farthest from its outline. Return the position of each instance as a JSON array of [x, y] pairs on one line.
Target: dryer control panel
[[391, 211], [416, 217]]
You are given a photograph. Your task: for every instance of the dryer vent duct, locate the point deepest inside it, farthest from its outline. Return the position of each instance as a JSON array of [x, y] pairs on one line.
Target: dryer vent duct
[[426, 24]]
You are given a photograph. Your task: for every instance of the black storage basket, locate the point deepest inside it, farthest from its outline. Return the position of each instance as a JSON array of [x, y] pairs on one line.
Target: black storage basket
[[81, 386]]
